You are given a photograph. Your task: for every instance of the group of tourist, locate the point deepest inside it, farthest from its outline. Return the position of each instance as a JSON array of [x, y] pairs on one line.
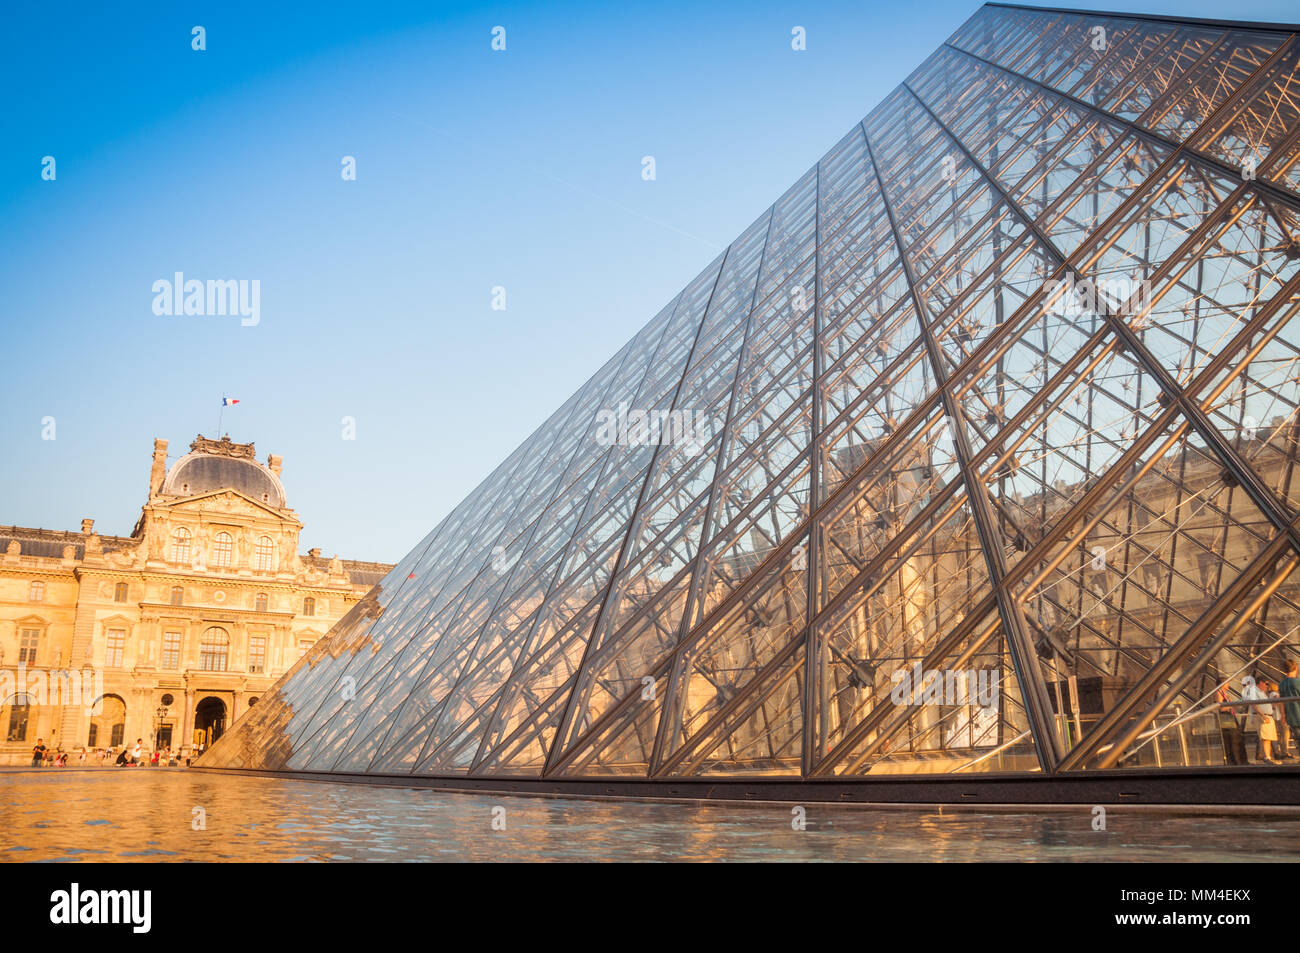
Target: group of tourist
[[130, 756], [1273, 724], [43, 757]]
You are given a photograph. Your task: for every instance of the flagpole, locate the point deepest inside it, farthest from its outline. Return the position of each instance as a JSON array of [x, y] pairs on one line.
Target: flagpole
[[221, 415]]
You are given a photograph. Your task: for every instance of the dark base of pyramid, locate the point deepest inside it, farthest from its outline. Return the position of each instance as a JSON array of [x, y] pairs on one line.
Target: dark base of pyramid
[[1217, 789]]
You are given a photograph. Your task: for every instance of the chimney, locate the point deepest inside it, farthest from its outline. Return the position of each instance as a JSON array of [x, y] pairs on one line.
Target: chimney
[[159, 469], [87, 527], [273, 462]]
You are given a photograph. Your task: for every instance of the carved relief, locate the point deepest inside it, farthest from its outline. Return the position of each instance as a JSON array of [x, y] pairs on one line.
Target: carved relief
[[121, 558], [224, 447], [157, 542], [286, 551]]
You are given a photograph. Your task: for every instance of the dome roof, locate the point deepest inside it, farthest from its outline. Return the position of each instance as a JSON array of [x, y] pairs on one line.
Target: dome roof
[[218, 465]]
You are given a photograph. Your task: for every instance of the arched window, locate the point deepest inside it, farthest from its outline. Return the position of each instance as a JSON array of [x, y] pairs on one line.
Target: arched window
[[181, 545], [222, 545], [309, 606], [259, 602], [252, 701], [19, 708], [178, 595], [265, 554], [120, 592], [109, 725], [36, 592], [214, 649]]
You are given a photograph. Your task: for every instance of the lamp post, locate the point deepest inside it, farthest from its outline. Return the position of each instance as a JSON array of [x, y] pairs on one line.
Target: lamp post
[[159, 714]]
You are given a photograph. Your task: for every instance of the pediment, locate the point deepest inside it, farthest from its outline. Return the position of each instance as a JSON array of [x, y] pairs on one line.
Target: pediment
[[224, 501]]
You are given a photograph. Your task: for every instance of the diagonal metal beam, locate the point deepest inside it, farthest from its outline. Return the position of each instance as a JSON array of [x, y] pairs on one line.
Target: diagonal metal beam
[[1237, 468], [1175, 148], [813, 676], [880, 721], [719, 467], [1168, 664], [557, 743], [1023, 656]]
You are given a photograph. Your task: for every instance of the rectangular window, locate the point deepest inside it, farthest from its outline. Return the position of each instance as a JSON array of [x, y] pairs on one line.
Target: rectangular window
[[116, 648], [36, 592], [27, 645], [257, 654], [171, 653]]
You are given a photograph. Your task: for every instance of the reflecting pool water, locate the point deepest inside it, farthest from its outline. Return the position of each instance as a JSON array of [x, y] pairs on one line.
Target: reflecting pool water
[[151, 815]]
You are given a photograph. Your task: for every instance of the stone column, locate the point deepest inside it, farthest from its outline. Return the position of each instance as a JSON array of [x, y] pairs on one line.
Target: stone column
[[144, 718], [187, 723], [190, 657], [284, 658]]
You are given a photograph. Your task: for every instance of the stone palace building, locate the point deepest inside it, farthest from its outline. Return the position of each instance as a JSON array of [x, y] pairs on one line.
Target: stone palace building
[[171, 633]]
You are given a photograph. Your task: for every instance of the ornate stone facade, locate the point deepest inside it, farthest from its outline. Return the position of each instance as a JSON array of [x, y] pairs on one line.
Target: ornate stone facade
[[168, 634]]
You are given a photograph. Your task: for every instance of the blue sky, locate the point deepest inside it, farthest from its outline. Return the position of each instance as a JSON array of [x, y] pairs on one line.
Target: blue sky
[[475, 169]]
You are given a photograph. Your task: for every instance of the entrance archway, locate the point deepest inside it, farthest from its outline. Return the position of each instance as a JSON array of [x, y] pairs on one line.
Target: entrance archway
[[108, 728], [209, 721]]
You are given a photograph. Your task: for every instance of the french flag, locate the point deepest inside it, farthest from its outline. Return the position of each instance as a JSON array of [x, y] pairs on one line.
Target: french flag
[[227, 401]]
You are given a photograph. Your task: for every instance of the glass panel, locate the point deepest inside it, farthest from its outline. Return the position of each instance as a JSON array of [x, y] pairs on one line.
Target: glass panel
[[726, 552]]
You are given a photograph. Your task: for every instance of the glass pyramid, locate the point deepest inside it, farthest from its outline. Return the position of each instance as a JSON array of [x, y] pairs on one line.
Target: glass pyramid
[[976, 452]]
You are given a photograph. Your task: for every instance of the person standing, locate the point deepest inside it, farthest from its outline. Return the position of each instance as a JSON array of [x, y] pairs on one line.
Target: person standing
[[1271, 730], [1234, 746], [1262, 721], [137, 751], [1249, 693], [1289, 687], [38, 753]]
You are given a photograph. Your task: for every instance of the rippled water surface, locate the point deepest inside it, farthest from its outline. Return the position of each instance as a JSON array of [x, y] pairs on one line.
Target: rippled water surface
[[148, 815]]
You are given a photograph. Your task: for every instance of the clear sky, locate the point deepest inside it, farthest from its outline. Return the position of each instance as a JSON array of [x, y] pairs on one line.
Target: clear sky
[[474, 169]]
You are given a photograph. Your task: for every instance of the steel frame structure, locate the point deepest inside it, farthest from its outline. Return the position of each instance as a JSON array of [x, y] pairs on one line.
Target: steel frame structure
[[987, 387]]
